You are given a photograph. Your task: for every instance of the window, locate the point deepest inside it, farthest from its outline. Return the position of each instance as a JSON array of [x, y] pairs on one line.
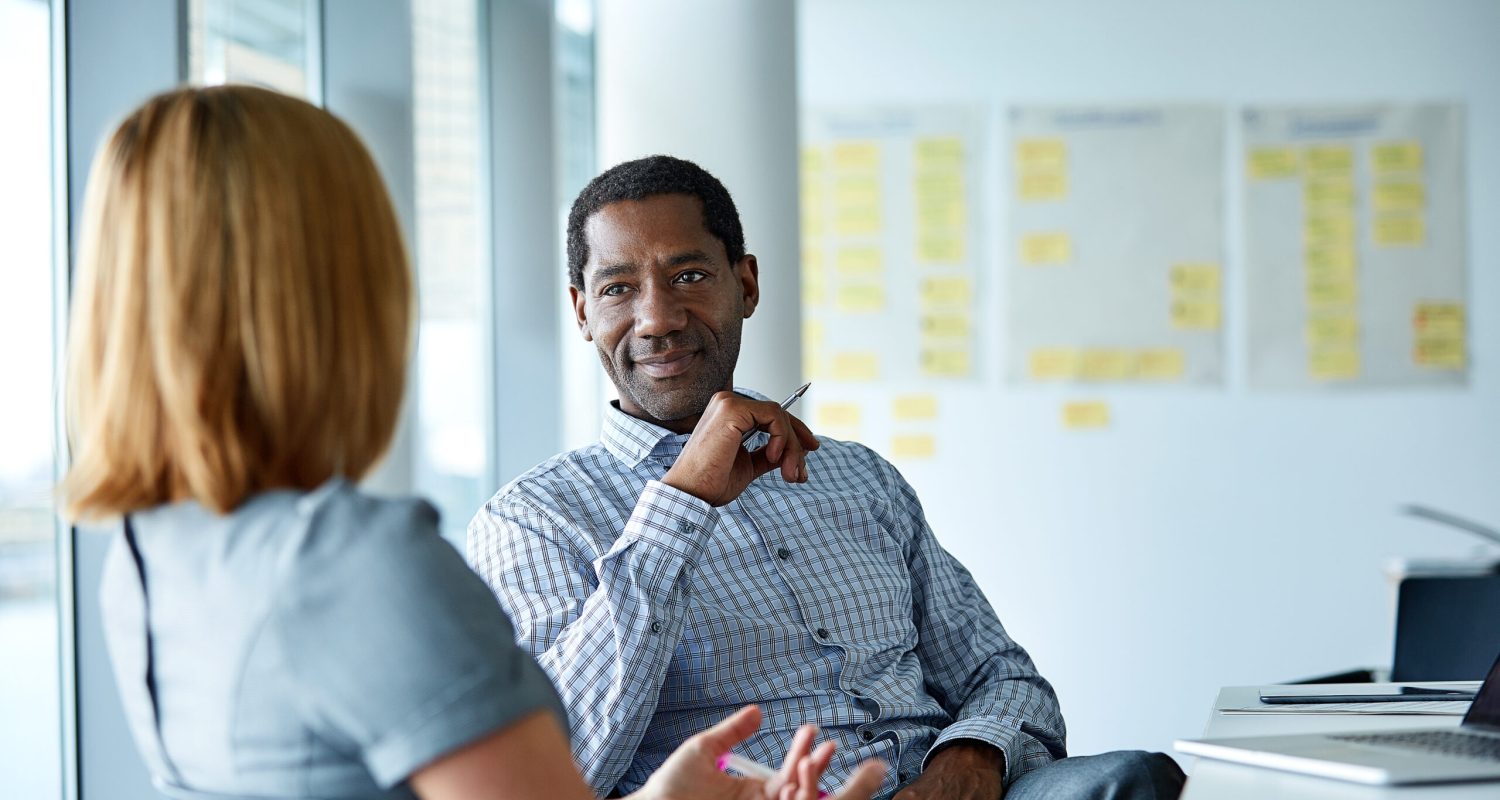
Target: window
[[270, 43], [30, 713], [452, 438]]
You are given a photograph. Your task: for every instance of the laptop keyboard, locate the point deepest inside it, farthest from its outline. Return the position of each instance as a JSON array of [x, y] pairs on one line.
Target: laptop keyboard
[[1449, 743]]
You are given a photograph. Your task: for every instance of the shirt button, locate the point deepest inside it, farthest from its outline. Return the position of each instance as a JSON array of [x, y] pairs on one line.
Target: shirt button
[[822, 633], [656, 627], [783, 553], [868, 736], [686, 527]]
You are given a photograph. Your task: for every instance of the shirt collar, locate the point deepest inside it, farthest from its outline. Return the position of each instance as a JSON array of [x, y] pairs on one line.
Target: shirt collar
[[634, 440]]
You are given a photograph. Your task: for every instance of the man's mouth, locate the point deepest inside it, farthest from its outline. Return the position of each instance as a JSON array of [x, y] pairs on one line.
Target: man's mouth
[[667, 365]]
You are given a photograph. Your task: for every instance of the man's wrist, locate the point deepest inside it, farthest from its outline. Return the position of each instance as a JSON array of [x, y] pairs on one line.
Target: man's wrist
[[969, 754]]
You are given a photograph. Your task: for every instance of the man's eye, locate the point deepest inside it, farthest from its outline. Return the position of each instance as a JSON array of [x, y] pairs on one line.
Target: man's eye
[[691, 276], [613, 290]]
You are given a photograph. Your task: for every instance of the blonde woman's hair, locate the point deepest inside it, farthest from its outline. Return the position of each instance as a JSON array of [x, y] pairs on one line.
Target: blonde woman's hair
[[242, 306]]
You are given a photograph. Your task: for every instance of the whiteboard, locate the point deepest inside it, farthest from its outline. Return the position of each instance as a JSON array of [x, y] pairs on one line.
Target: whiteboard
[[1152, 553]]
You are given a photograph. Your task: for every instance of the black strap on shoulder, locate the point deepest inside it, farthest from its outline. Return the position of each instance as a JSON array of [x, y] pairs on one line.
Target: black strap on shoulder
[[140, 570]]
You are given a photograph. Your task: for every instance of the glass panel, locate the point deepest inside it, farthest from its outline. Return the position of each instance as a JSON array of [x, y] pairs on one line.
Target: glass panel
[[270, 43], [452, 437], [30, 747]]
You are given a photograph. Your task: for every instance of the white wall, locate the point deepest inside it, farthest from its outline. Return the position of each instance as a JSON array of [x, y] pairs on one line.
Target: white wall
[[1209, 537]]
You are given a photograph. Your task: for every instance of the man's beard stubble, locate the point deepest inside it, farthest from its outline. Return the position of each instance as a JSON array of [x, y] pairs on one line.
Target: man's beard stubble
[[713, 374]]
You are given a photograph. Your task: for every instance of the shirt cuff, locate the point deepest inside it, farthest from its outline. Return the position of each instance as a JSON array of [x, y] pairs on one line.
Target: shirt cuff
[[1020, 751], [667, 518]]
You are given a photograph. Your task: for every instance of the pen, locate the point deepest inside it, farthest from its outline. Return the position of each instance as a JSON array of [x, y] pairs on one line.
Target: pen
[[742, 765], [785, 404]]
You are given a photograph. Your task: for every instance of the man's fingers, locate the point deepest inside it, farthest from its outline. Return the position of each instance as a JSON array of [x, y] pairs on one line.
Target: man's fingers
[[864, 782], [804, 433]]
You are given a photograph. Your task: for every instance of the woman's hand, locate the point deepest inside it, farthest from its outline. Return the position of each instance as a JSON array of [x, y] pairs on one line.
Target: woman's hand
[[692, 771]]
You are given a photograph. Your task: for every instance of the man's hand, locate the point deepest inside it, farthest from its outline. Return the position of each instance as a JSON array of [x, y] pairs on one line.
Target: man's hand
[[715, 467], [963, 770]]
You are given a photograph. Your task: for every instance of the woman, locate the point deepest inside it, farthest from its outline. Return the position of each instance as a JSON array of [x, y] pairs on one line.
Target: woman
[[241, 327]]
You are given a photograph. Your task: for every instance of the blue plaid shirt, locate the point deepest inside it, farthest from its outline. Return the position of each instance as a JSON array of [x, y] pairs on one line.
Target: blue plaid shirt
[[829, 602]]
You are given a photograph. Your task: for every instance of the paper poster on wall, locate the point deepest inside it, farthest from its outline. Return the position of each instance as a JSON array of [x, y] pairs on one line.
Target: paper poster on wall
[[1354, 228], [890, 220], [1114, 264]]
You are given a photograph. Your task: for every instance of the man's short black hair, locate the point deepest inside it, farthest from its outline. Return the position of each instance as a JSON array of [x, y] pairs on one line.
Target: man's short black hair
[[645, 177]]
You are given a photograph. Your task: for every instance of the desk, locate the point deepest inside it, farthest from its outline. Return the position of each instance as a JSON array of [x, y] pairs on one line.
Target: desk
[[1221, 780]]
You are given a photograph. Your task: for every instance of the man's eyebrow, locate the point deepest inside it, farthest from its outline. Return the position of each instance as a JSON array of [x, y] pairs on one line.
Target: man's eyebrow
[[611, 270], [689, 257]]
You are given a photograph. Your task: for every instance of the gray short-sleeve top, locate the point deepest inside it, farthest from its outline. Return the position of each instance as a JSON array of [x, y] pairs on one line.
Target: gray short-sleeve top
[[309, 644]]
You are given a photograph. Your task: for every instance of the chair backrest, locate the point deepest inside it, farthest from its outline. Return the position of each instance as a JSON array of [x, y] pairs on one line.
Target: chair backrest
[[1447, 628]]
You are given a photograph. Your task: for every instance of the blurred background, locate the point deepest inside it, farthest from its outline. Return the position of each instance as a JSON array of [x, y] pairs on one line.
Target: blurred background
[[1165, 308]]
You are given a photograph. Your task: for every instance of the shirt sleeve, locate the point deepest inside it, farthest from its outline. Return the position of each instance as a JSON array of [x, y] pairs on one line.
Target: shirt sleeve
[[605, 629], [972, 667], [395, 646]]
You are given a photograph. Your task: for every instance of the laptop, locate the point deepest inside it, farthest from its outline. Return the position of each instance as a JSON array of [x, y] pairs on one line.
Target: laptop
[[1469, 752]]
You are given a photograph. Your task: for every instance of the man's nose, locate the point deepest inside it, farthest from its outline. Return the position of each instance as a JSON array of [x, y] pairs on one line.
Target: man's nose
[[659, 312]]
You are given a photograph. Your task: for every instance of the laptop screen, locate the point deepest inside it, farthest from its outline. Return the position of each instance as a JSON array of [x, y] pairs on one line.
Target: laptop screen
[[1485, 710]]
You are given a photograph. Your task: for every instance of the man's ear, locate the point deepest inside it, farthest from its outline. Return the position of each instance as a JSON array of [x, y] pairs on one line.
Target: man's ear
[[580, 314], [749, 275]]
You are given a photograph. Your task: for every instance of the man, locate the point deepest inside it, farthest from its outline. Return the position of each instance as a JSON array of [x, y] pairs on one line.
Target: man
[[661, 581]]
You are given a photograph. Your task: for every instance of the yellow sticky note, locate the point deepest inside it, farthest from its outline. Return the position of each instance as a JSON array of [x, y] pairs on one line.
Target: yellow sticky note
[[940, 248], [864, 260], [938, 186], [1200, 279], [1041, 155], [837, 415], [1332, 365], [1198, 315], [857, 221], [949, 362], [812, 258], [1333, 332], [938, 153], [1107, 364], [1162, 364], [1403, 156], [1442, 353], [860, 298], [1053, 247], [814, 160], [1273, 163], [913, 407], [856, 156], [814, 220], [1334, 158], [1040, 186], [814, 288], [1398, 230], [1052, 363], [949, 325], [1331, 291], [1085, 415], [1332, 228], [941, 212], [1438, 316], [946, 292], [814, 334], [858, 366], [1398, 196], [1328, 192], [1337, 258], [913, 446], [859, 190]]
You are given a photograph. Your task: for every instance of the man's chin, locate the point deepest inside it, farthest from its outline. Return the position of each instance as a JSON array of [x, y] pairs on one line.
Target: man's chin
[[670, 403]]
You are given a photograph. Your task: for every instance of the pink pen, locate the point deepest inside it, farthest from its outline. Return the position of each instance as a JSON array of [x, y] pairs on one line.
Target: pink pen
[[750, 769]]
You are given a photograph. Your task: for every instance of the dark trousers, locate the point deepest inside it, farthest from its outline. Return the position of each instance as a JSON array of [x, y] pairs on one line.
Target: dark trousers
[[1120, 775]]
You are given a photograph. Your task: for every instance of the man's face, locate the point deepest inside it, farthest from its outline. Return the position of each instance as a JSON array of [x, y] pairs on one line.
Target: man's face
[[664, 306]]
